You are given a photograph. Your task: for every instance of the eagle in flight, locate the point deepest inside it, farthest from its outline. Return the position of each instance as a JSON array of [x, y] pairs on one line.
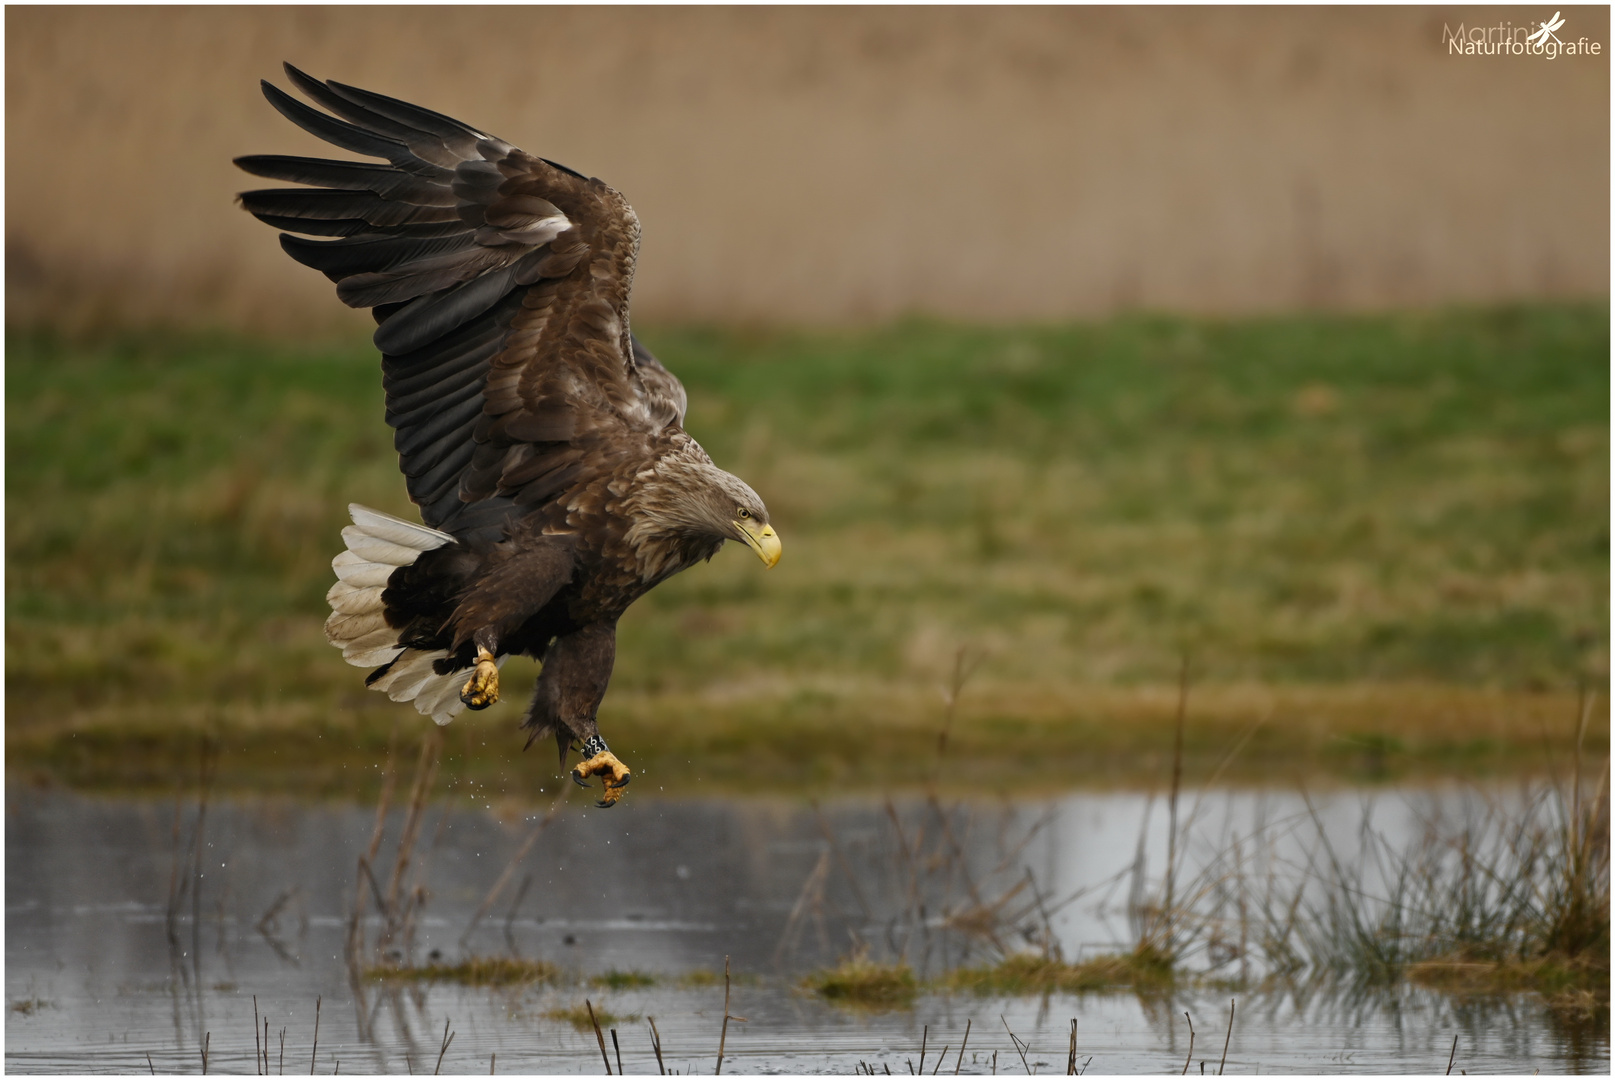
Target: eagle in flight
[[543, 444]]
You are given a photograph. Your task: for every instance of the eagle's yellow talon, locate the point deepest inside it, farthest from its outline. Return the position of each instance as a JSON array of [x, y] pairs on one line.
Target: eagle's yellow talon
[[613, 774], [482, 689]]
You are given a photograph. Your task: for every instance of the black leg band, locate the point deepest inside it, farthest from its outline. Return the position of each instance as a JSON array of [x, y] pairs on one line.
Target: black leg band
[[592, 746]]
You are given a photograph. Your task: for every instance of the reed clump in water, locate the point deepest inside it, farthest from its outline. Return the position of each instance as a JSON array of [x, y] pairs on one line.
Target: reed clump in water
[[1516, 897], [1565, 983], [1515, 902], [697, 978], [1513, 895], [623, 980], [581, 1018], [1144, 969], [857, 980], [474, 971]]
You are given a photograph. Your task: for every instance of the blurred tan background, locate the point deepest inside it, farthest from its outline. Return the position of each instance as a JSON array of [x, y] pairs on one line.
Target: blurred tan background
[[818, 165]]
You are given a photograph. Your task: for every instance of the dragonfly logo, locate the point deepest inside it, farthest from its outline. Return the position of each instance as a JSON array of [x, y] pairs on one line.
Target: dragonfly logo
[[1505, 39], [1545, 32]]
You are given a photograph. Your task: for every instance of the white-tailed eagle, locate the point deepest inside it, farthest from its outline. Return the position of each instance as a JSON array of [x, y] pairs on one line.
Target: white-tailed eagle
[[543, 444]]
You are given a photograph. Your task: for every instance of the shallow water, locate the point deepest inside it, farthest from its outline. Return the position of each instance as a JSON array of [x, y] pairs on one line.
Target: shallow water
[[100, 974]]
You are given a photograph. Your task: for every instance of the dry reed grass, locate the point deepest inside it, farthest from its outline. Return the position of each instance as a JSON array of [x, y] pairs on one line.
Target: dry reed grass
[[1355, 182]]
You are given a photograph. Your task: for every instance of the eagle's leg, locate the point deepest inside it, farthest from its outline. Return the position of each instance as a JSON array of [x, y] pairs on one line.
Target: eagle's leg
[[598, 760], [482, 689], [577, 667]]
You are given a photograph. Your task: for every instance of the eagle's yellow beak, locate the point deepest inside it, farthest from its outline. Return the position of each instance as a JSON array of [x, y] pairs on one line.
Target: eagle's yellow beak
[[762, 540]]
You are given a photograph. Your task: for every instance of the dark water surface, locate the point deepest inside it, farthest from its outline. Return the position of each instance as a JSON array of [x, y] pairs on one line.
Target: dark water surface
[[101, 976]]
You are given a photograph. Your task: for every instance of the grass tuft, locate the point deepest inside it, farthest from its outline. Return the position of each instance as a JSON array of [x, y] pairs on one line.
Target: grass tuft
[[1145, 969], [477, 971], [623, 980], [863, 982], [1551, 976], [578, 1017], [700, 977], [1514, 897]]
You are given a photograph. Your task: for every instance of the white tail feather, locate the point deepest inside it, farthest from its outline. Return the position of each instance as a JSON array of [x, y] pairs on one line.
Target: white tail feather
[[347, 599], [384, 638], [378, 550], [439, 696], [397, 530], [405, 678], [377, 545], [360, 572], [412, 678], [345, 627]]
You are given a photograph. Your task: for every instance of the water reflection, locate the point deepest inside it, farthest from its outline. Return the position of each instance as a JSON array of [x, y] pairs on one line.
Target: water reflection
[[132, 932]]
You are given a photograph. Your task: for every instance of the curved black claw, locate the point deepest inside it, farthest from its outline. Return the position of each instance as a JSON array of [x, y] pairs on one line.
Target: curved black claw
[[578, 780], [610, 786]]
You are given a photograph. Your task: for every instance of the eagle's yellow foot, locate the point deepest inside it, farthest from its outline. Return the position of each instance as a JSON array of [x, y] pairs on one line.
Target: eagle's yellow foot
[[613, 773], [482, 689]]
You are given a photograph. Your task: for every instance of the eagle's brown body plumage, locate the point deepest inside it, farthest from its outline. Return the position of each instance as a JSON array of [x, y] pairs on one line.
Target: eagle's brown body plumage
[[543, 444]]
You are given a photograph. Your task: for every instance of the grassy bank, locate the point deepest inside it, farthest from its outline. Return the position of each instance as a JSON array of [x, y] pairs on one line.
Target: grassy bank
[[1383, 537]]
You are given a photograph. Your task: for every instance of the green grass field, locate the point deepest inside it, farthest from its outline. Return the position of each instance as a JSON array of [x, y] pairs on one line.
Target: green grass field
[[1384, 538]]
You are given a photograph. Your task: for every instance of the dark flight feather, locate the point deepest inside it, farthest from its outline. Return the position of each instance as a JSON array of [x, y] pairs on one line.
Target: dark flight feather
[[412, 410], [439, 477], [423, 146], [331, 204], [406, 395], [348, 175], [424, 428], [336, 132], [314, 227], [408, 372], [437, 313], [410, 116], [372, 254]]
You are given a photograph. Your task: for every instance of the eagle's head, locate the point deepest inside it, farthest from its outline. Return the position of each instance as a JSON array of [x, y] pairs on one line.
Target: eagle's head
[[699, 500]]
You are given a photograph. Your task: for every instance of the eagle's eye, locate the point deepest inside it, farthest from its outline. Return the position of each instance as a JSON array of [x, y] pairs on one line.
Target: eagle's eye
[[743, 513]]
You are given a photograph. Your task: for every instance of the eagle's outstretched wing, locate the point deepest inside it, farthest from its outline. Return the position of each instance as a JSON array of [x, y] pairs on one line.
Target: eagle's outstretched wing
[[500, 282]]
